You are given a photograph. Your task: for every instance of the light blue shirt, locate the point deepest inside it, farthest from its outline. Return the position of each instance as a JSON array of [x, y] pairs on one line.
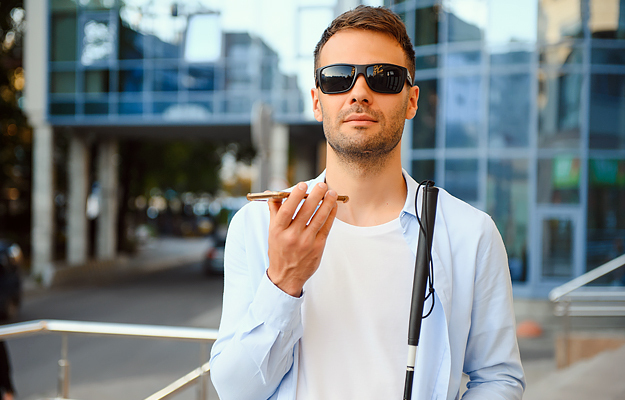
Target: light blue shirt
[[471, 329]]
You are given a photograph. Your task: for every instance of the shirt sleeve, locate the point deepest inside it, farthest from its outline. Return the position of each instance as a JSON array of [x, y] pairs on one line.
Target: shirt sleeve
[[492, 358], [260, 323]]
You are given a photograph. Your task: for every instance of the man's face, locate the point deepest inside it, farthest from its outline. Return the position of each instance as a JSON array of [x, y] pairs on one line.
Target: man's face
[[362, 124]]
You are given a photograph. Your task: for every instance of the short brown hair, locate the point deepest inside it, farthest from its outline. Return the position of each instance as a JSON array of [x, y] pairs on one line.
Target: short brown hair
[[377, 19]]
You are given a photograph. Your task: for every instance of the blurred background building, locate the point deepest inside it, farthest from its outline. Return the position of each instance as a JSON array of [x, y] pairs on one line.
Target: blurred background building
[[521, 114]]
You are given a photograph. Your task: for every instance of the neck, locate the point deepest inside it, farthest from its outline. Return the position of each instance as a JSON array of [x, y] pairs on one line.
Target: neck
[[376, 195]]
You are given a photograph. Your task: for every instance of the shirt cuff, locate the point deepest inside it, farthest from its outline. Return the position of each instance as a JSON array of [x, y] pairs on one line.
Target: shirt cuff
[[275, 307]]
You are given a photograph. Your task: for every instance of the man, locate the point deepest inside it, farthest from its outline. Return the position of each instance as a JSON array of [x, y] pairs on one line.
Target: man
[[317, 293]]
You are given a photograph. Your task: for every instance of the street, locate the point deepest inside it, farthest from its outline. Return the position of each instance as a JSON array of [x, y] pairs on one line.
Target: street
[[114, 367]]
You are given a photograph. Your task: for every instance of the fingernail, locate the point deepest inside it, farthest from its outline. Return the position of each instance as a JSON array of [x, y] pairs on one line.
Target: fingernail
[[322, 186], [332, 193], [301, 186]]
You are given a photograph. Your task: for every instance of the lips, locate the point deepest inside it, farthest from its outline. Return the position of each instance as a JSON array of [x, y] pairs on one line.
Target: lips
[[359, 118]]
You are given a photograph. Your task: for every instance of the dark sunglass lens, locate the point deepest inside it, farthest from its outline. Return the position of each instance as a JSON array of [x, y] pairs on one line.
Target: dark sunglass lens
[[337, 78], [385, 78]]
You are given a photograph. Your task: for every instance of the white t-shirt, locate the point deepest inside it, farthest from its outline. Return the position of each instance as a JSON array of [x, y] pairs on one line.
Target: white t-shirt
[[355, 316]]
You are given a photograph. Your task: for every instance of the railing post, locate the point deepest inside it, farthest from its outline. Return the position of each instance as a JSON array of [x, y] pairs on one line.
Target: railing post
[[63, 384], [202, 393], [567, 332]]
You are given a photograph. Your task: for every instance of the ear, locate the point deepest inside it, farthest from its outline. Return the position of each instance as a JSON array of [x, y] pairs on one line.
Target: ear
[[316, 103], [411, 110]]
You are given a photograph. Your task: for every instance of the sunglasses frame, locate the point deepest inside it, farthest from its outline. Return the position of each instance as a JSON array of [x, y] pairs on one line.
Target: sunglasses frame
[[361, 69]]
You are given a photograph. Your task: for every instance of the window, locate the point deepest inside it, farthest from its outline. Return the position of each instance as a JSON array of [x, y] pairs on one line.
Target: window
[[606, 219], [507, 204], [509, 111], [463, 99], [424, 125], [558, 180], [559, 109], [607, 105], [461, 179], [423, 170]]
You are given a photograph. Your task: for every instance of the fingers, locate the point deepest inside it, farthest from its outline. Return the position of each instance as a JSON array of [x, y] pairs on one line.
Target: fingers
[[287, 208], [311, 204], [325, 213]]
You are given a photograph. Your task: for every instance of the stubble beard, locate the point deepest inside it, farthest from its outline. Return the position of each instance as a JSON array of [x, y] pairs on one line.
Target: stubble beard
[[366, 152]]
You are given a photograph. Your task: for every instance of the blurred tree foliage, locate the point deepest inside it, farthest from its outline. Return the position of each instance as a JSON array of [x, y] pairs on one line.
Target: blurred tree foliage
[[15, 134]]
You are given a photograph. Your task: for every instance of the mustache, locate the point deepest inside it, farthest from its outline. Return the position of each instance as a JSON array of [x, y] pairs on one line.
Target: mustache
[[358, 109]]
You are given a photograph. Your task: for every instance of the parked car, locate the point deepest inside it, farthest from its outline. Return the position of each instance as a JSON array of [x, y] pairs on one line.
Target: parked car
[[11, 260], [213, 263]]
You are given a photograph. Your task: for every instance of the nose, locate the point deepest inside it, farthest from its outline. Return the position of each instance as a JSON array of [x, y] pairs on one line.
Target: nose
[[360, 93]]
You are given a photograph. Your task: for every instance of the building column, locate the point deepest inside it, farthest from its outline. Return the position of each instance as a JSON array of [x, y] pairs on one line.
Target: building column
[[36, 70], [42, 237], [279, 157], [106, 224], [78, 189], [261, 139]]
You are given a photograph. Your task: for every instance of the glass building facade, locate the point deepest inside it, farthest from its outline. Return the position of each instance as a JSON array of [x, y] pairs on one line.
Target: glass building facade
[[125, 62], [522, 114]]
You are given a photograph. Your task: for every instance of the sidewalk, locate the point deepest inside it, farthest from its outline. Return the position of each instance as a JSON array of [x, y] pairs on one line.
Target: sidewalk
[[600, 377], [157, 254]]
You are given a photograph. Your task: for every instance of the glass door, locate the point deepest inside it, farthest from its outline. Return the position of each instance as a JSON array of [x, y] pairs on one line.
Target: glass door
[[560, 245]]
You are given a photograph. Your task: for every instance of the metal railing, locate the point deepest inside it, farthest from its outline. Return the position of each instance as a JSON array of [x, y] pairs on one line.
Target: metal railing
[[575, 299], [65, 328]]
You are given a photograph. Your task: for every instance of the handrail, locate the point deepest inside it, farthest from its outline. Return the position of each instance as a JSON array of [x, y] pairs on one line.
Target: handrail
[[560, 291], [181, 383], [114, 329], [107, 328]]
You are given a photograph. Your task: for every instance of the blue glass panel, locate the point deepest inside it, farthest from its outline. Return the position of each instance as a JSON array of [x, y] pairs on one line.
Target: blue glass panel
[[426, 26], [162, 106], [461, 59], [426, 62], [607, 111], [608, 56], [131, 80], [606, 219], [62, 108], [161, 49], [97, 81], [130, 108], [63, 82], [165, 80], [559, 110], [96, 108], [239, 105], [424, 125], [558, 180], [509, 111], [63, 41], [200, 78], [511, 57], [423, 170], [130, 43], [461, 179], [508, 205], [463, 99]]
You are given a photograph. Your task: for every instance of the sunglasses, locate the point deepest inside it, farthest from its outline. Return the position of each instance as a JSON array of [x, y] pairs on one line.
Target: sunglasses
[[381, 78]]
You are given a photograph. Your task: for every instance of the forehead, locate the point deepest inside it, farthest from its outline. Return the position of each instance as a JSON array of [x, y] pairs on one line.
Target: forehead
[[357, 46]]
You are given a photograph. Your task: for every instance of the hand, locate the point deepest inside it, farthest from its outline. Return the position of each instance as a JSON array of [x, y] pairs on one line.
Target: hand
[[7, 396], [295, 245]]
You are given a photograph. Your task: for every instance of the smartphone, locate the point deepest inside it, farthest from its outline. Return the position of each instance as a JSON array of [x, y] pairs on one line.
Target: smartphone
[[281, 195]]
